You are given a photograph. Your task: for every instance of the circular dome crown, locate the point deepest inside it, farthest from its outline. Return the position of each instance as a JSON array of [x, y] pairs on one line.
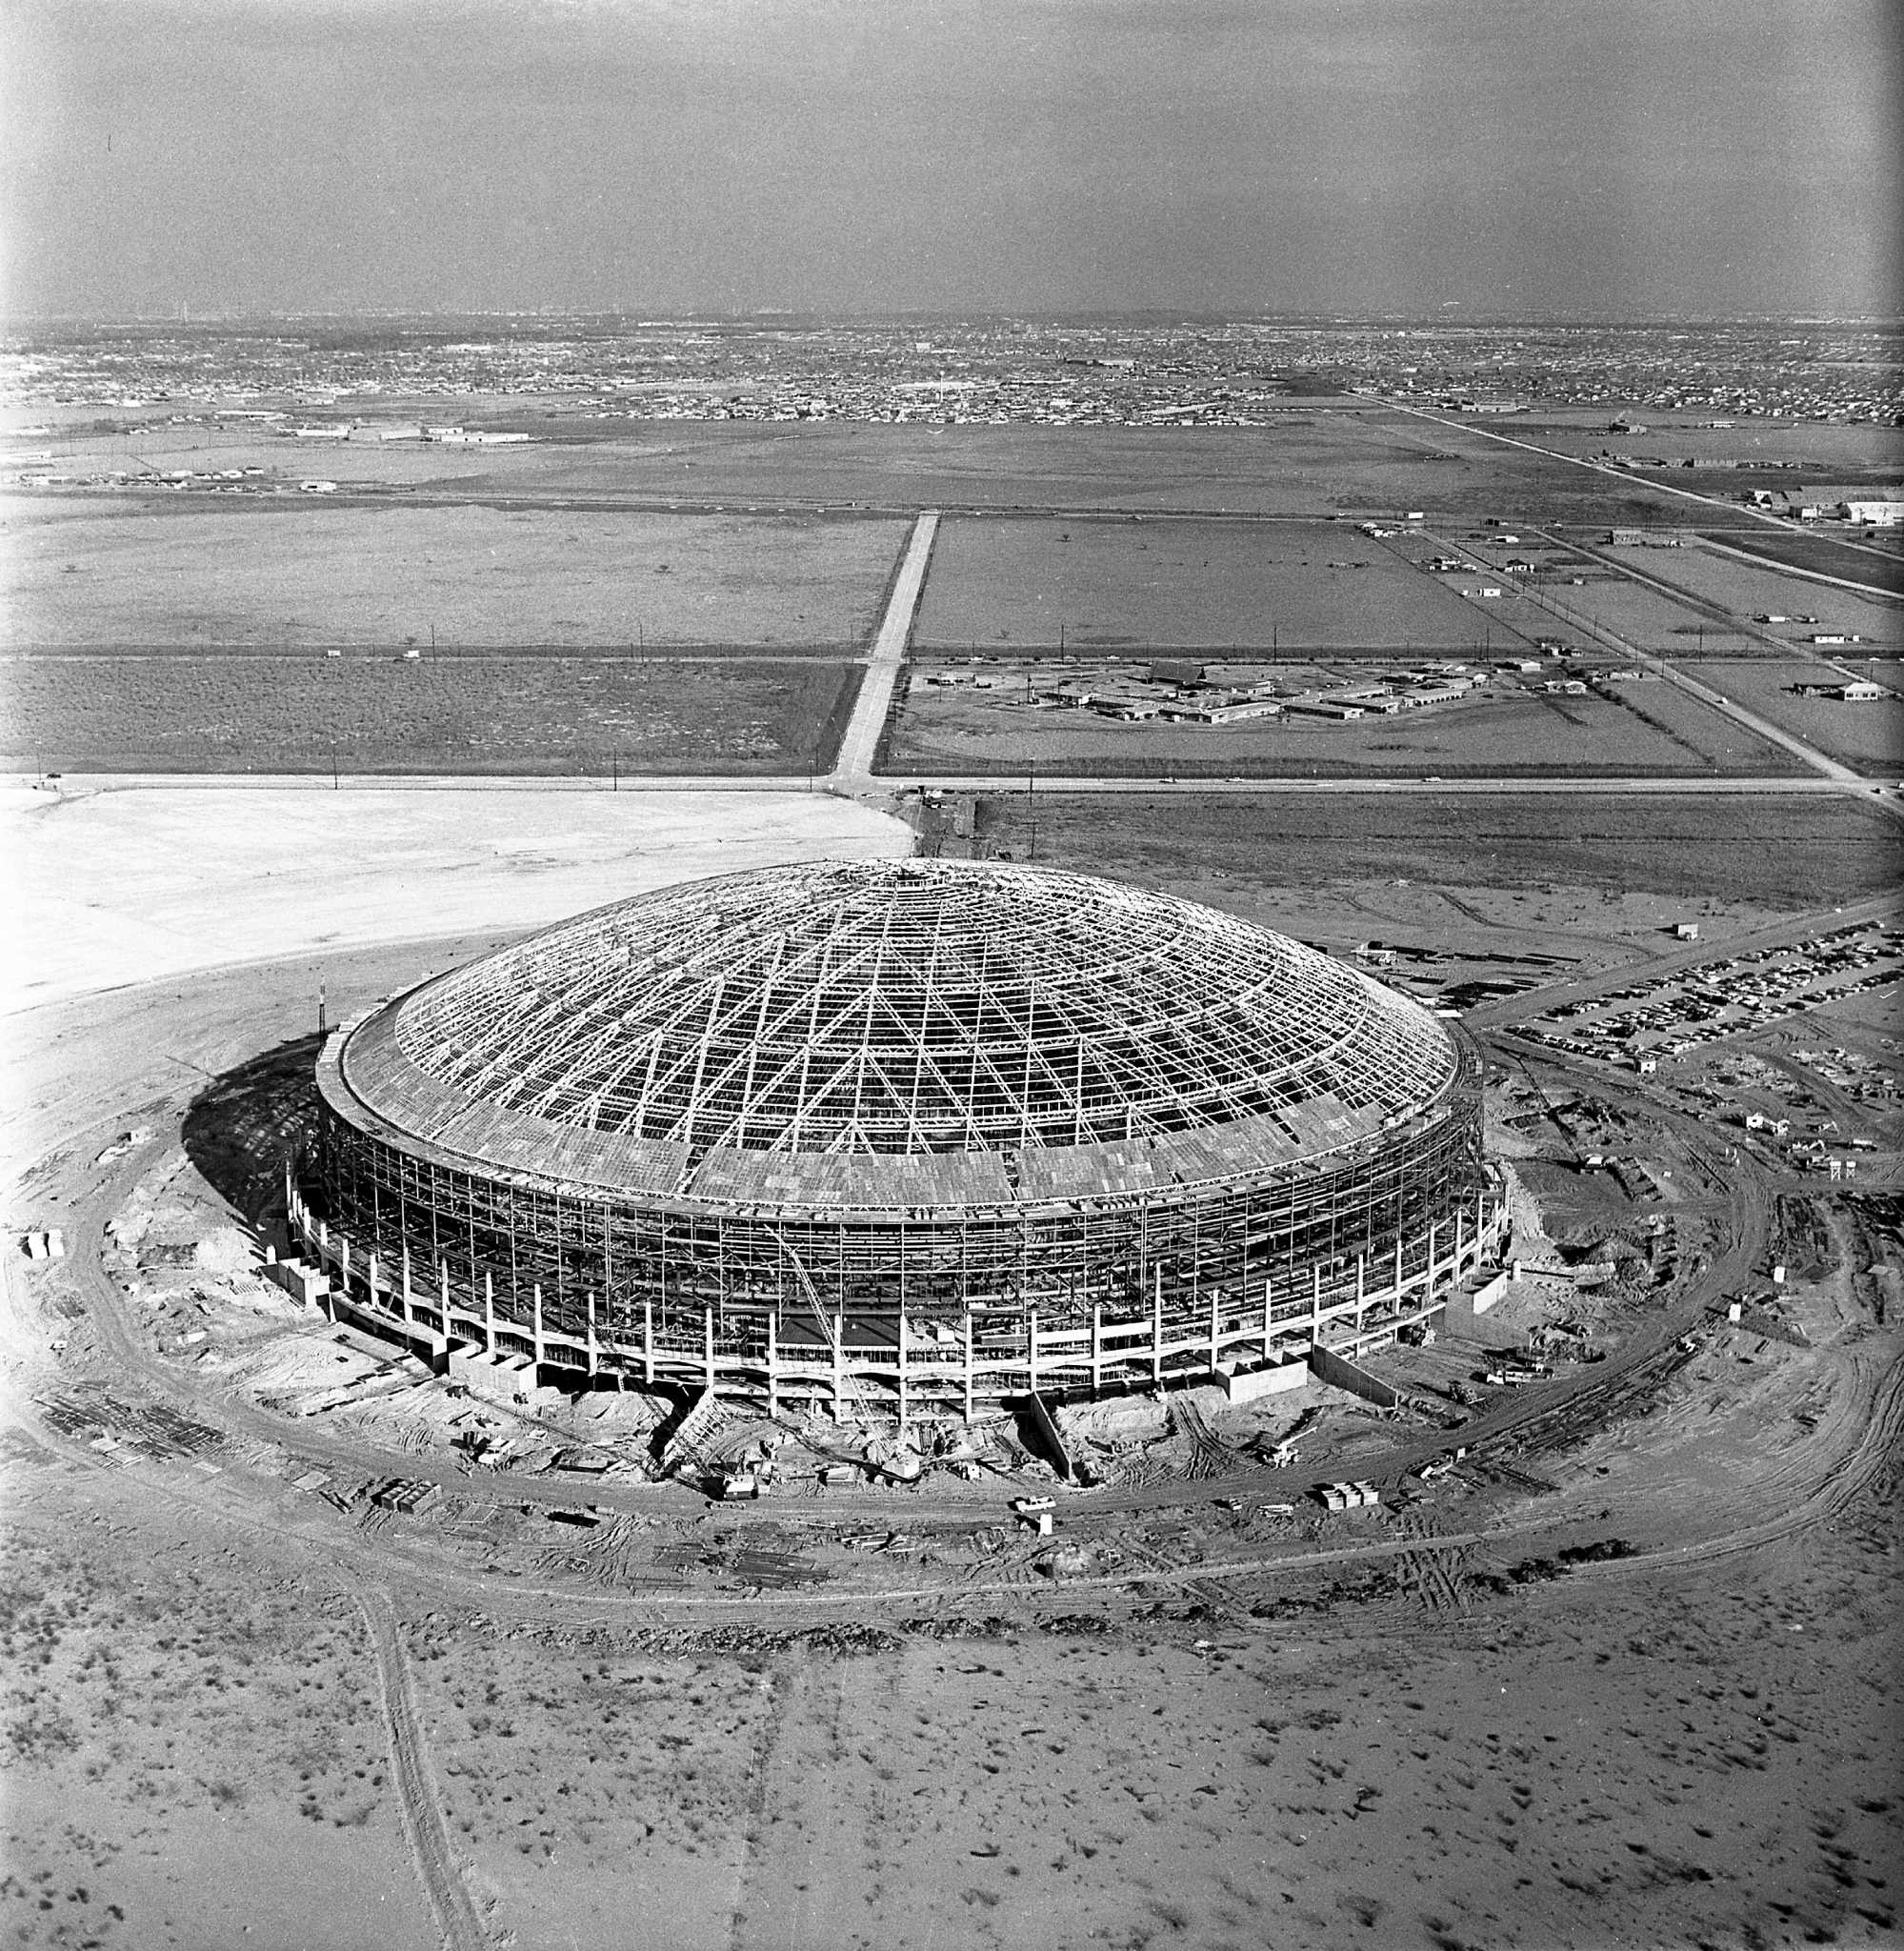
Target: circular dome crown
[[902, 1007]]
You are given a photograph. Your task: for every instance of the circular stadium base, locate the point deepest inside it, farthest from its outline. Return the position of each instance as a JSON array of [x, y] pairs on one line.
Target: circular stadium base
[[885, 1367]]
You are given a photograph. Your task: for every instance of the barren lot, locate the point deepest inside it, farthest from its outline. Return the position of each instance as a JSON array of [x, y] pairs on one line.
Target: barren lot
[[1787, 853], [133, 884], [1168, 584], [285, 574], [543, 714]]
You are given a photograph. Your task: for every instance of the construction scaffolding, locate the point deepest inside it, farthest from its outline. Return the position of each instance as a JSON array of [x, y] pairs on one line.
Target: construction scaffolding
[[899, 1139]]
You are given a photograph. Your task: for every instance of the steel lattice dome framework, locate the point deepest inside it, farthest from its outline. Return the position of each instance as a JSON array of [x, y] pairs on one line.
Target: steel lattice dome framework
[[818, 1116]]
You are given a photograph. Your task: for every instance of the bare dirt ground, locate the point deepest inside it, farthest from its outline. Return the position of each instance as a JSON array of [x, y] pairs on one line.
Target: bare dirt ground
[[240, 1712]]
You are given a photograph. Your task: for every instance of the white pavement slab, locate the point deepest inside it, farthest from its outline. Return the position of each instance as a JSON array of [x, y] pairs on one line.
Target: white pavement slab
[[109, 888]]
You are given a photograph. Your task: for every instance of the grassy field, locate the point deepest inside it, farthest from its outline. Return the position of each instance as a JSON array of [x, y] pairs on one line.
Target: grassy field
[[1822, 554], [291, 574], [1745, 590], [1315, 457], [1780, 853], [1648, 619], [1506, 731], [1123, 583], [1869, 735], [501, 715]]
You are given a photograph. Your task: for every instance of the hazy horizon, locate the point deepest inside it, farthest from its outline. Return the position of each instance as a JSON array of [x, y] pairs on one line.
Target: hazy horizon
[[1604, 161]]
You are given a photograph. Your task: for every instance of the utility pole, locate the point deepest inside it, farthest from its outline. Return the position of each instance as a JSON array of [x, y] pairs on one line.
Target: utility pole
[[322, 1026], [616, 787]]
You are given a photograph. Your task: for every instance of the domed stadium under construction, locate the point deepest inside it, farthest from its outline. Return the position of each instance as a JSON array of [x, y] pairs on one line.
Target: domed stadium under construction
[[910, 1138]]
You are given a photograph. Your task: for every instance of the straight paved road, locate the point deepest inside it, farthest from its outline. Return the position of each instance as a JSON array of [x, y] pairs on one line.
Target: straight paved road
[[852, 770]]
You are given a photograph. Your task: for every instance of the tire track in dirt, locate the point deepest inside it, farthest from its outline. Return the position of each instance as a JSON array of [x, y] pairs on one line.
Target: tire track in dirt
[[418, 1799]]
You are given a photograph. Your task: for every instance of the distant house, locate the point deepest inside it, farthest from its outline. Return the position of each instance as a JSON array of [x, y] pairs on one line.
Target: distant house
[[1857, 691]]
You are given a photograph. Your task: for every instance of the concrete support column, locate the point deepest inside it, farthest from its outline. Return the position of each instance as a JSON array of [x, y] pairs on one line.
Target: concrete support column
[[1269, 1320], [708, 1345], [1316, 1306], [1032, 1348], [773, 1361], [406, 1286], [537, 1345], [967, 1364], [344, 1264], [902, 1372], [594, 1352], [443, 1299], [1096, 1347], [370, 1281], [1215, 1334], [488, 1314], [648, 1342], [1157, 1329], [1361, 1288], [839, 1364]]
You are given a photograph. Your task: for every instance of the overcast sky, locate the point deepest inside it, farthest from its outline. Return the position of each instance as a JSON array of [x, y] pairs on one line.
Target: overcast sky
[[1600, 157]]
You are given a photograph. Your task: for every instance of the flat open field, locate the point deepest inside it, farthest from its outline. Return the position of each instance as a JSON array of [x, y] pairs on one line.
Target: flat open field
[[188, 571], [1646, 618], [541, 713], [1822, 452], [1823, 554], [1315, 458], [1869, 735], [1786, 852], [133, 884], [1653, 729], [1745, 590], [1162, 583]]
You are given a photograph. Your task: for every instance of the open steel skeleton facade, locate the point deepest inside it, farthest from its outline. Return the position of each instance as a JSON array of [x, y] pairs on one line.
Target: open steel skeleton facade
[[900, 1137]]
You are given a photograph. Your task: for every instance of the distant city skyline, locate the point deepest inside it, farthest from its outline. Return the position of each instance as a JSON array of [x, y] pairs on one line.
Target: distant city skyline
[[1590, 158]]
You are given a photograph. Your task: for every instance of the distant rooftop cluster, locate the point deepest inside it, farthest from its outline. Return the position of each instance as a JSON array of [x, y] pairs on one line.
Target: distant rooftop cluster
[[977, 372]]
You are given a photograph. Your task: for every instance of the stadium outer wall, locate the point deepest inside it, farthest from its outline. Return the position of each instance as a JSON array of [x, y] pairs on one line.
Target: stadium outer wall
[[926, 1315]]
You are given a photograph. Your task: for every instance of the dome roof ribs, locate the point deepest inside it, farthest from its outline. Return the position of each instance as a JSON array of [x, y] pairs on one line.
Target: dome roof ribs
[[906, 1009]]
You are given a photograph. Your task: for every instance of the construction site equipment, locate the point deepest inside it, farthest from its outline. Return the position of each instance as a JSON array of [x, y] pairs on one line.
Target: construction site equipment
[[412, 1496]]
